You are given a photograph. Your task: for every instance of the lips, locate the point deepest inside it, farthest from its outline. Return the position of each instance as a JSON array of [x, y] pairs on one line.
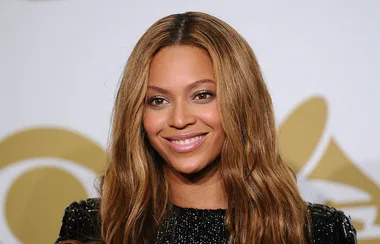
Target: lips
[[185, 142]]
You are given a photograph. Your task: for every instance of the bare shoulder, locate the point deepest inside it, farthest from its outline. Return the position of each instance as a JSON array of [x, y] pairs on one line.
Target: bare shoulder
[[81, 221], [330, 225]]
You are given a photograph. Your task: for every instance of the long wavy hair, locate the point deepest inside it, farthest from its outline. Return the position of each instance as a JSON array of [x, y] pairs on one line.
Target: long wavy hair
[[264, 204]]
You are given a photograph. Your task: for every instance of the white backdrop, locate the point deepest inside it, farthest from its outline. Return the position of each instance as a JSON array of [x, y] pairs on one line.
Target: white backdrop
[[60, 63]]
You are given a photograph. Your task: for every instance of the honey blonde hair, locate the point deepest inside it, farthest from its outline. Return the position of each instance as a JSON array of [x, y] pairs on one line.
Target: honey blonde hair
[[264, 204]]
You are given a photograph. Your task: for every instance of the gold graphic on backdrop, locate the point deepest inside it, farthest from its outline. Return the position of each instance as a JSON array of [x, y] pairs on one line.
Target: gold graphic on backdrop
[[35, 202], [300, 134], [29, 218]]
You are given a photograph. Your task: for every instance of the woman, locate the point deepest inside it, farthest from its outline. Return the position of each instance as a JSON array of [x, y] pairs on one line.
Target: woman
[[194, 155]]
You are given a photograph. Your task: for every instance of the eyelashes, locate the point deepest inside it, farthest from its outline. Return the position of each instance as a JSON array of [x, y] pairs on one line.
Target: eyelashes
[[156, 101], [199, 97], [203, 95]]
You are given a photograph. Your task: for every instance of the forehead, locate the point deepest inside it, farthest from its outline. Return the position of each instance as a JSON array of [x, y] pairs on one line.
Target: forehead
[[180, 65]]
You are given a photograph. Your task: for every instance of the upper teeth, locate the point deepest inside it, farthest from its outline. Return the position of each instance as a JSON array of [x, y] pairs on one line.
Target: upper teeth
[[188, 141]]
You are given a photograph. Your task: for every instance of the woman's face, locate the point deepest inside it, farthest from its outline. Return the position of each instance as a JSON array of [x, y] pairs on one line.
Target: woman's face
[[181, 116]]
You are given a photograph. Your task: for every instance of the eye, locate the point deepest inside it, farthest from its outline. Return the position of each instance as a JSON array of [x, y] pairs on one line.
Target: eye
[[204, 96], [157, 101]]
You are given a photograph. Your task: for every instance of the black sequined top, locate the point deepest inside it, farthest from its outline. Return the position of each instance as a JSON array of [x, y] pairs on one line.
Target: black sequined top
[[81, 222]]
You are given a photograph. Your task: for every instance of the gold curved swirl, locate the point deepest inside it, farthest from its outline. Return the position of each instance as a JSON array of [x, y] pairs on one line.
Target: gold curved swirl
[[36, 200]]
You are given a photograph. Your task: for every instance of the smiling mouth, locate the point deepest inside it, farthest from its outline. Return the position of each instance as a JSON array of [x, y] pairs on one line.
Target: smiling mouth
[[186, 145], [188, 141]]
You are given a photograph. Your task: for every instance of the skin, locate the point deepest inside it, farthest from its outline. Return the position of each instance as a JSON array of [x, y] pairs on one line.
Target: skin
[[181, 99]]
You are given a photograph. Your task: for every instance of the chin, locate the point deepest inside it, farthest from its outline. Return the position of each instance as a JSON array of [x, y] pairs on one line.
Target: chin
[[188, 169], [193, 167]]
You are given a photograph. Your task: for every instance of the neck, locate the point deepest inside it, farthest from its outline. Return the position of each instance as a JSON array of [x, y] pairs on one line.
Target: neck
[[202, 190]]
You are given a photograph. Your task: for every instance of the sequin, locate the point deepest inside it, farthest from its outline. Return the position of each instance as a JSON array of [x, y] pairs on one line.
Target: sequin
[[81, 222]]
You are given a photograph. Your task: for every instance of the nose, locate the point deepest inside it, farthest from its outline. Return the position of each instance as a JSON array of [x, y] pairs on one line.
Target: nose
[[181, 115]]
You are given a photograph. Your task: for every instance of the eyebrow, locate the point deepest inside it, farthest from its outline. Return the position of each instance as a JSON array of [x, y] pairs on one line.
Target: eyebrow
[[188, 88]]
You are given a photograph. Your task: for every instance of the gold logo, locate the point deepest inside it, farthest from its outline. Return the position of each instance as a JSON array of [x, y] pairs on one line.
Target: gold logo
[[47, 168], [302, 133], [42, 170]]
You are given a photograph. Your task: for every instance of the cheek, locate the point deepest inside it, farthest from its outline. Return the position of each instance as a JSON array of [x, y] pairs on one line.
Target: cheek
[[210, 116], [153, 122]]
